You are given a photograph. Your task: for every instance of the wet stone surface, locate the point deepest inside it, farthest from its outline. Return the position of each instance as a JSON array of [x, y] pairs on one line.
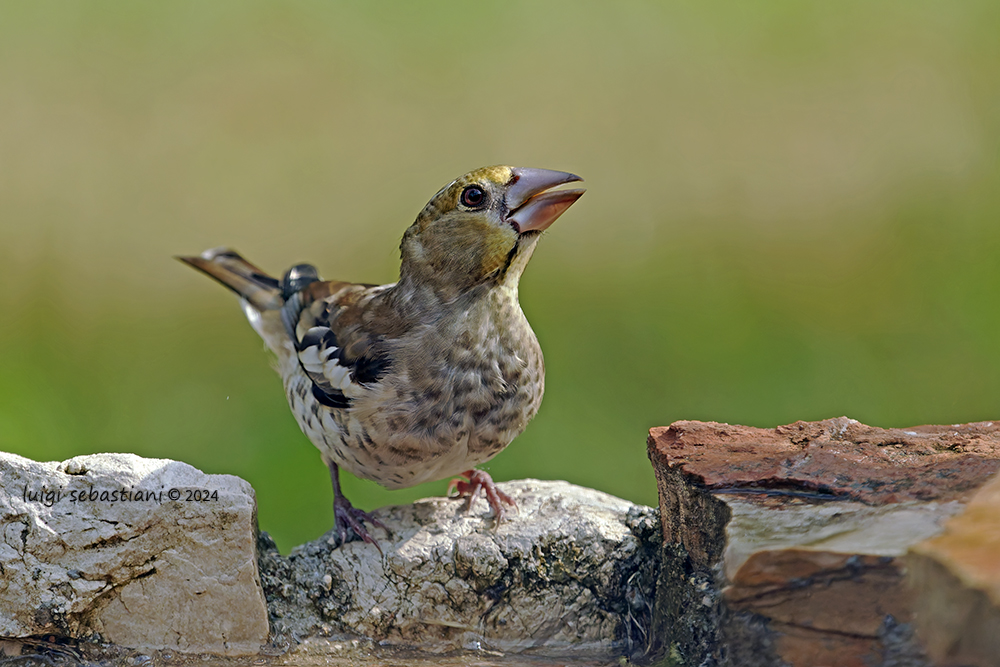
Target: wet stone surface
[[313, 652]]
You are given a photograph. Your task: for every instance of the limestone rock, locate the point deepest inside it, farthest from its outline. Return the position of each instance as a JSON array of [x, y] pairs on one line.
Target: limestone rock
[[794, 537], [145, 553], [572, 571], [956, 578]]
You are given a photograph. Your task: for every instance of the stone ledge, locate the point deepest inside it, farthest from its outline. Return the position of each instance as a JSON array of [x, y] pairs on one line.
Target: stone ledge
[[814, 543], [798, 535], [572, 572], [956, 581], [97, 547]]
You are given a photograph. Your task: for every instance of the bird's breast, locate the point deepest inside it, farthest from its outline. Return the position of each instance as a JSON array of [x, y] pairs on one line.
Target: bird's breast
[[472, 381], [455, 393]]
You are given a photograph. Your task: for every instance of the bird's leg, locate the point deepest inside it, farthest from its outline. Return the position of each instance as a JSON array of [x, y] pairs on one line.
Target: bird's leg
[[480, 481], [347, 516]]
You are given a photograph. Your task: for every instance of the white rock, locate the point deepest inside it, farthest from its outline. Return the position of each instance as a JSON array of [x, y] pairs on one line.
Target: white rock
[[146, 553], [573, 571]]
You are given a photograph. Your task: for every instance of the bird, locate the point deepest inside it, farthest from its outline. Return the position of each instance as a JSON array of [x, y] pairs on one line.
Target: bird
[[425, 378]]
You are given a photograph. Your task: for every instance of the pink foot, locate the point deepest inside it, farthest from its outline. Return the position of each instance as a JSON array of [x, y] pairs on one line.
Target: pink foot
[[480, 481]]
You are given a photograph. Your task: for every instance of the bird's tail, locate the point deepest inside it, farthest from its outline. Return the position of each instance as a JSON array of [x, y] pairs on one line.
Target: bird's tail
[[228, 267]]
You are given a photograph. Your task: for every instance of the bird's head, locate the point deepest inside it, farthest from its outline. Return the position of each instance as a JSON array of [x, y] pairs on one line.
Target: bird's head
[[482, 227]]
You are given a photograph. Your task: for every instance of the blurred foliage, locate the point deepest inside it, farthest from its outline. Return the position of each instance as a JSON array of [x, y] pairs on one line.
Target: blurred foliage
[[792, 214]]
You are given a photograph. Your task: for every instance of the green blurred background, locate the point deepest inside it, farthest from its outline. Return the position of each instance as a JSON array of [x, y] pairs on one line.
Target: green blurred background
[[792, 213]]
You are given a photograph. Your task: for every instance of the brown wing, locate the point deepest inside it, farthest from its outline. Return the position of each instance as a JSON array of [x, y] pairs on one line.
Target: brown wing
[[339, 353]]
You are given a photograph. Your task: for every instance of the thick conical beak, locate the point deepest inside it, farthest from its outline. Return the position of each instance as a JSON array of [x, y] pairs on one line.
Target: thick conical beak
[[532, 208]]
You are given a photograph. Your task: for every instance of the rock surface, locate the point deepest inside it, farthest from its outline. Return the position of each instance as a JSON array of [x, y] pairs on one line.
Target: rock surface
[[956, 579], [144, 553], [796, 535], [573, 571]]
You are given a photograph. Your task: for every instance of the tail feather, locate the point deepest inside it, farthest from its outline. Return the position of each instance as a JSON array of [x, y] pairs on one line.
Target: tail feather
[[229, 268]]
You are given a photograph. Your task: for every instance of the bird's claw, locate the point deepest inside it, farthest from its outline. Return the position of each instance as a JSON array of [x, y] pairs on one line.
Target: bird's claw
[[478, 482], [348, 517]]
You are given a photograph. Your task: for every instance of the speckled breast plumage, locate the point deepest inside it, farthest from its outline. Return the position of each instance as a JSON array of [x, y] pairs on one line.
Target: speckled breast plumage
[[453, 395]]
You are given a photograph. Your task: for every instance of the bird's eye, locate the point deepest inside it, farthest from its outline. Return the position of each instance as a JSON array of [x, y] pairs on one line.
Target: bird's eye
[[473, 196]]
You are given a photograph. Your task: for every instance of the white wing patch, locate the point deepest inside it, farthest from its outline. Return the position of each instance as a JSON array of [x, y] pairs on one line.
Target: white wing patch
[[321, 362]]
